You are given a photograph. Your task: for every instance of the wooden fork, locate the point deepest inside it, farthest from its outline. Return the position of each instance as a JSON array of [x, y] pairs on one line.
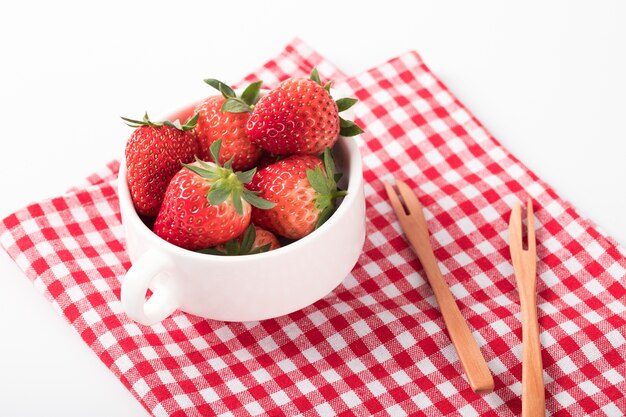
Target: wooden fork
[[413, 223], [525, 266]]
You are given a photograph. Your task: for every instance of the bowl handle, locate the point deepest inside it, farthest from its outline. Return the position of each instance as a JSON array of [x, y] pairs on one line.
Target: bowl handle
[[138, 279]]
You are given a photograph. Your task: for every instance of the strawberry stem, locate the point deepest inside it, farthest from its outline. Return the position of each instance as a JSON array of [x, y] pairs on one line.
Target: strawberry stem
[[226, 183], [325, 185], [234, 104], [315, 76], [189, 124], [239, 246]]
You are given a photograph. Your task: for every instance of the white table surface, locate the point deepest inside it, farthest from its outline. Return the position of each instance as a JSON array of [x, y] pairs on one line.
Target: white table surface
[[546, 78]]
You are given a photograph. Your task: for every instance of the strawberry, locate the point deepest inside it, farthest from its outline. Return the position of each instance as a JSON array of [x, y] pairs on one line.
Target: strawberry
[[154, 152], [300, 117], [304, 191], [225, 117], [206, 204], [254, 240], [264, 239]]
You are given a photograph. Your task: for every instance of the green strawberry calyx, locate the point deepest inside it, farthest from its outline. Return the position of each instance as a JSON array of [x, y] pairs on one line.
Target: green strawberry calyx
[[233, 104], [346, 127], [227, 183], [324, 182], [189, 124], [239, 245]]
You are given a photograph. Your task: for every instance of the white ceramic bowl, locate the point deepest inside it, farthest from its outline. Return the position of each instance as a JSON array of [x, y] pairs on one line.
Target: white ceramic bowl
[[248, 287]]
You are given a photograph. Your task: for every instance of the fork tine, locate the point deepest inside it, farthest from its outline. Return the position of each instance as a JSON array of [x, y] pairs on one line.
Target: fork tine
[[515, 227], [410, 199], [530, 222], [395, 200]]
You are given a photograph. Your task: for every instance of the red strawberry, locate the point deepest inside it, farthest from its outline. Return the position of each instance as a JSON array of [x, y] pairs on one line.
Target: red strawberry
[[304, 190], [225, 117], [254, 240], [154, 152], [206, 204], [300, 117], [264, 238]]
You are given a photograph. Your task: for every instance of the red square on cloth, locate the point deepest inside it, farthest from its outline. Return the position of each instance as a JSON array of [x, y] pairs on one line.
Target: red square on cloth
[[376, 344]]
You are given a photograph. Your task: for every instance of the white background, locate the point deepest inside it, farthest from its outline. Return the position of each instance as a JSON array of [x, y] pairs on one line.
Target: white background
[[548, 79]]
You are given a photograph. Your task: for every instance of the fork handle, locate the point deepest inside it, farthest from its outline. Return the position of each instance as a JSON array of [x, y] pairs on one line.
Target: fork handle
[[472, 360], [533, 392]]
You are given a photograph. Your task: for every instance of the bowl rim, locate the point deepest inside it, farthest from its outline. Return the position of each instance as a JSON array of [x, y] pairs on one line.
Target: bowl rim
[[355, 182]]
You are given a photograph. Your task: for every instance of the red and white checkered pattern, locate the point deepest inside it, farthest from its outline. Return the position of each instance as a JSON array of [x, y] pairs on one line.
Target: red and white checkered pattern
[[376, 344]]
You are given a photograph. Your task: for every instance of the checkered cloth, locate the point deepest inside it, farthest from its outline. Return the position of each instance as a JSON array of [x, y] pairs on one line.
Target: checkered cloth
[[377, 343]]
